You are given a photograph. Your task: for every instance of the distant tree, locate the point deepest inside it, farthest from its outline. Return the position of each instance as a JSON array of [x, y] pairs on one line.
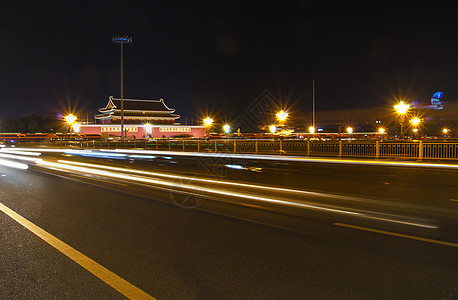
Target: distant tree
[[52, 123], [33, 127], [33, 123], [12, 126]]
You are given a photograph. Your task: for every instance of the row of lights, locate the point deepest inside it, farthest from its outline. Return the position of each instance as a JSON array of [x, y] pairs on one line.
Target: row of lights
[[401, 109]]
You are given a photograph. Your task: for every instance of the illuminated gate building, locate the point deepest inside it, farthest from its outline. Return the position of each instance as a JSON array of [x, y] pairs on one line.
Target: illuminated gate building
[[142, 119]]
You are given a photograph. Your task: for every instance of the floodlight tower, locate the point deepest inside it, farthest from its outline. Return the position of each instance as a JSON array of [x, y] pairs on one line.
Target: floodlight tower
[[122, 39]]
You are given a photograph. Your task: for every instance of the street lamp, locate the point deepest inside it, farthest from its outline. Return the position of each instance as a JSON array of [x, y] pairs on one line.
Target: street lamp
[[381, 130], [272, 128], [76, 127], [227, 128], [208, 123], [70, 119], [415, 121], [312, 129], [124, 39], [349, 130], [401, 109], [282, 115], [148, 128], [445, 131]]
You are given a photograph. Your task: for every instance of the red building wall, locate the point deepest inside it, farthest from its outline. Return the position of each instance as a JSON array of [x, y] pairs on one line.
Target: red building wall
[[138, 131]]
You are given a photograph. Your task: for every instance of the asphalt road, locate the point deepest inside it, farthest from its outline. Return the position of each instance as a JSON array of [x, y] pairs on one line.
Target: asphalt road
[[205, 244]]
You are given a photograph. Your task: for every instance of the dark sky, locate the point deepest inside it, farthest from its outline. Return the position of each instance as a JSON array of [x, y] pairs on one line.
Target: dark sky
[[219, 56]]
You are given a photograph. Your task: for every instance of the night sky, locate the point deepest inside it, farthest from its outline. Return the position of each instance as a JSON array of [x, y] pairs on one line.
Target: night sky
[[219, 56]]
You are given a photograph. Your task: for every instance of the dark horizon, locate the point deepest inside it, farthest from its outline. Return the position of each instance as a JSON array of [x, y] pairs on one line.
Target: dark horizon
[[219, 57]]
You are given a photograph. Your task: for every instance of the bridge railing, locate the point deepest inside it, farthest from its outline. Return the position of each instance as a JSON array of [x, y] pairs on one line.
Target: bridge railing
[[342, 148]]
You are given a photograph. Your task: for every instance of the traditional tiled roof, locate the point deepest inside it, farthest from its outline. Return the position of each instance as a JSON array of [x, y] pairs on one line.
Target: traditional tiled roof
[[138, 105], [137, 109]]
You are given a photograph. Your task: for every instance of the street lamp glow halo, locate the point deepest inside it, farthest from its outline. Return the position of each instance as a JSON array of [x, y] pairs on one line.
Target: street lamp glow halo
[[76, 127], [70, 119], [349, 129], [148, 128], [402, 107], [282, 115], [208, 121], [312, 129], [227, 128], [415, 121], [272, 128]]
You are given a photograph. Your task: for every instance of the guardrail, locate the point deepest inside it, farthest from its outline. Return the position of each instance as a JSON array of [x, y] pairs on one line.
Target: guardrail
[[342, 148]]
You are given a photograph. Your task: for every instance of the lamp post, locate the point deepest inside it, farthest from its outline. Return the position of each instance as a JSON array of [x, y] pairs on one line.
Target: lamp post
[[124, 39], [415, 121], [227, 129], [272, 129], [76, 127], [313, 108], [445, 131], [71, 123], [402, 109], [148, 129], [70, 119], [208, 123]]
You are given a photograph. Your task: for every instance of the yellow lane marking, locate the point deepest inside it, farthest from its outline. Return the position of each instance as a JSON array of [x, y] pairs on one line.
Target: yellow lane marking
[[398, 235], [110, 278]]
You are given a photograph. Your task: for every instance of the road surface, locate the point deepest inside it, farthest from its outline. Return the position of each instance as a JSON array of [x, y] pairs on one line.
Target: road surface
[[199, 228]]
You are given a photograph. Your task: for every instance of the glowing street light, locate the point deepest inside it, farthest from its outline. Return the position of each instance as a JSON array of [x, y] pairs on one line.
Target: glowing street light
[[70, 119], [415, 121], [445, 130], [76, 127], [148, 128], [282, 115], [227, 128], [415, 130], [312, 129], [381, 130], [349, 130], [402, 109], [272, 128], [208, 121]]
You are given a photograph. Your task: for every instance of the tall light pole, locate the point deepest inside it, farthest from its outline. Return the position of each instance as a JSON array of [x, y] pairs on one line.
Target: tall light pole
[[402, 108], [313, 96], [123, 39]]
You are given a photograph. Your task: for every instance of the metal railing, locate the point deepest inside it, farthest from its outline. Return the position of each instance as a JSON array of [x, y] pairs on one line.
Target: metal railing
[[342, 148]]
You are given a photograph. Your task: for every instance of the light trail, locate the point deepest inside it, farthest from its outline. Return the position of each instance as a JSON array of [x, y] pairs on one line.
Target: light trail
[[250, 186], [236, 184], [293, 158], [12, 164], [20, 152], [265, 157], [194, 188], [25, 158]]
